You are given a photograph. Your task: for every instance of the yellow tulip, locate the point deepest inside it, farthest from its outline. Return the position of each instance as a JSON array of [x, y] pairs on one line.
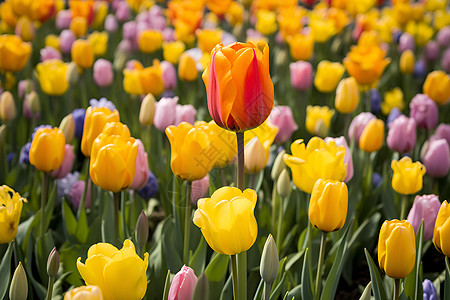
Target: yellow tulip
[[322, 30], [397, 248], [113, 161], [328, 76], [187, 69], [372, 137], [437, 86], [95, 119], [227, 220], [235, 13], [172, 51], [225, 142], [26, 30], [14, 53], [208, 39], [441, 19], [90, 292], [218, 7], [100, 11], [52, 40], [98, 42], [79, 26], [408, 176], [10, 210], [441, 235], [301, 45], [266, 134], [47, 149], [318, 119], [7, 14], [192, 152], [147, 110], [116, 128], [347, 96], [421, 31], [316, 160], [82, 54], [266, 22], [150, 41], [140, 81], [328, 205], [290, 22], [392, 98], [407, 62], [106, 266], [52, 76]]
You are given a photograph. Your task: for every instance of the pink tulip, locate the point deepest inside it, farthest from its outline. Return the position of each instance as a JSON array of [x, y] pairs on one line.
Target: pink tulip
[[183, 284], [49, 53], [67, 163], [199, 189], [141, 174], [301, 75], [63, 19], [425, 208], [424, 111], [169, 75], [165, 113], [436, 158], [66, 39], [76, 192], [103, 72], [185, 113], [402, 134], [282, 117]]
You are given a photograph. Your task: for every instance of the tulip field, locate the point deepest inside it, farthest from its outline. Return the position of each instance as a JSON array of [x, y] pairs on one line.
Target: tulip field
[[224, 149]]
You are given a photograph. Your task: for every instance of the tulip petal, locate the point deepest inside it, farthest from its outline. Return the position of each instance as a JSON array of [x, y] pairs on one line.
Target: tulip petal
[[400, 252]]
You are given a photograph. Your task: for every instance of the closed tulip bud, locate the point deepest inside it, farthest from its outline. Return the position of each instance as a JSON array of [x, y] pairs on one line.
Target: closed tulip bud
[[66, 39], [284, 184], [230, 212], [278, 165], [49, 53], [72, 74], [407, 62], [109, 276], [32, 105], [19, 284], [164, 113], [424, 208], [347, 96], [372, 136], [67, 126], [402, 134], [266, 22], [183, 284], [67, 163], [397, 248], [268, 268], [358, 124], [53, 263], [79, 26], [111, 24], [199, 189], [25, 29], [141, 174], [10, 209], [82, 54], [408, 176], [90, 292], [441, 234], [141, 234], [47, 149], [63, 19], [406, 42], [301, 75], [432, 51], [429, 291], [437, 87], [185, 113], [187, 69], [328, 76], [150, 41], [254, 156], [424, 111], [328, 205], [281, 117], [103, 72], [318, 119], [147, 111], [169, 75], [437, 158], [7, 107]]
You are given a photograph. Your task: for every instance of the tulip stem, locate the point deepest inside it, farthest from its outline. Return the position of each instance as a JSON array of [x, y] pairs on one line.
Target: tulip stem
[[234, 275], [403, 209], [240, 153], [51, 282], [396, 288], [242, 274], [116, 216], [280, 217], [267, 289], [187, 223], [319, 265], [82, 205], [43, 200]]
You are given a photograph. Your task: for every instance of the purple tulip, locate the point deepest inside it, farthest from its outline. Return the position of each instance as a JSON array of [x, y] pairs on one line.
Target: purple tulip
[[78, 117], [111, 24], [77, 191], [432, 51], [377, 180], [164, 113], [66, 39], [169, 75], [402, 134], [103, 102], [340, 141], [49, 53], [442, 132], [63, 19], [24, 154], [151, 187], [406, 41], [375, 101], [301, 75], [429, 291], [443, 37], [185, 113], [358, 124], [168, 34], [103, 72], [420, 68], [123, 12], [424, 110], [445, 61], [67, 163], [424, 208], [183, 284], [436, 157], [130, 31], [24, 87], [199, 189], [282, 118]]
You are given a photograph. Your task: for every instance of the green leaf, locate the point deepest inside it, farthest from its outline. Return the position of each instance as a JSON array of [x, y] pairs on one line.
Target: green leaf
[[171, 256], [217, 267], [57, 287], [68, 257], [108, 234], [276, 292], [447, 279], [306, 281], [413, 282], [82, 230], [201, 290], [259, 290], [367, 292], [377, 283], [70, 224], [40, 290], [167, 286], [5, 270], [44, 245], [227, 291], [295, 293], [197, 261]]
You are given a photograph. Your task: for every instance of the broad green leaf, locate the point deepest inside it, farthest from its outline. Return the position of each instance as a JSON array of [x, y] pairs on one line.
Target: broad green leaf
[[277, 290], [217, 267], [167, 286], [367, 292], [70, 222], [447, 279], [377, 283], [197, 261], [5, 270], [227, 291], [306, 281], [413, 282]]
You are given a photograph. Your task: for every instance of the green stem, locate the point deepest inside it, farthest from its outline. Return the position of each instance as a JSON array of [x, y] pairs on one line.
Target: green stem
[[280, 217], [116, 216], [240, 170], [267, 288], [274, 203], [404, 206], [242, 274], [82, 205], [187, 223], [50, 288], [234, 275], [124, 224], [43, 200], [396, 289], [319, 266]]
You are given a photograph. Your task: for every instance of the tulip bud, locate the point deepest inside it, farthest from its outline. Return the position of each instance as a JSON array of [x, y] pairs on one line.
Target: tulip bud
[[408, 176], [347, 96], [7, 107], [402, 134], [201, 290], [67, 126], [147, 111], [141, 233], [436, 158], [269, 261], [183, 284], [53, 263], [284, 184], [19, 284], [372, 136], [169, 75], [358, 124], [66, 39], [424, 208], [278, 165], [301, 75], [407, 62], [32, 105], [187, 69], [254, 156], [72, 74], [424, 110], [103, 72], [2, 134]]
